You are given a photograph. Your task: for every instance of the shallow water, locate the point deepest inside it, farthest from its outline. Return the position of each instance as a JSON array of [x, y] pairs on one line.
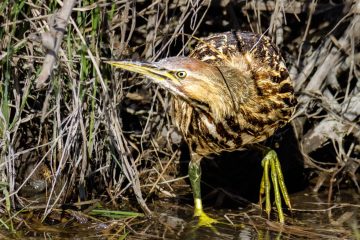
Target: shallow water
[[312, 217]]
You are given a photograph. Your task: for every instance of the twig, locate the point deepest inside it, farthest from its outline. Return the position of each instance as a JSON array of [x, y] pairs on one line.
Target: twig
[[332, 58], [52, 41]]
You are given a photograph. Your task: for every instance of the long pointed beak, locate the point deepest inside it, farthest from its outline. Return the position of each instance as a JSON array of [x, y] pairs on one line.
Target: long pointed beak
[[150, 70], [160, 75]]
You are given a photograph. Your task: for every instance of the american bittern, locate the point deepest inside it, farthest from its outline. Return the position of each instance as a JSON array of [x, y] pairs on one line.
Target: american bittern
[[231, 92]]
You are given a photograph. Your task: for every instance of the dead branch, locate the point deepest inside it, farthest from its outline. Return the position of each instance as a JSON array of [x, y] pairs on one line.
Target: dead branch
[[52, 40]]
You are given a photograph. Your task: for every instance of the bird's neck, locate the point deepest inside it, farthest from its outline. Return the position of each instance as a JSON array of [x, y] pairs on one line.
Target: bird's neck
[[234, 90], [228, 87]]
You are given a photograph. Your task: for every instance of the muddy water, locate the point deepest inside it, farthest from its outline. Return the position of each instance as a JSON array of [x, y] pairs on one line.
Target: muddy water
[[312, 217]]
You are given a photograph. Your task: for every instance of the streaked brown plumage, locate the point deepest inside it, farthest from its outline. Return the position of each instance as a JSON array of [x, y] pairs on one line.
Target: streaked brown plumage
[[250, 98], [233, 90]]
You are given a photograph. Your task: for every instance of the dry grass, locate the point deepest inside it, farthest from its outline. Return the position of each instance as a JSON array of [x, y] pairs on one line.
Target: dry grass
[[77, 131]]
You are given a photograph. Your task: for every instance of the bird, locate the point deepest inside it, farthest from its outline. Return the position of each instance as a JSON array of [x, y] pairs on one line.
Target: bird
[[231, 92]]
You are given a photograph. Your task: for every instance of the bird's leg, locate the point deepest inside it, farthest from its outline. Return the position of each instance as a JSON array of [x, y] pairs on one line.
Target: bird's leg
[[195, 178], [271, 161]]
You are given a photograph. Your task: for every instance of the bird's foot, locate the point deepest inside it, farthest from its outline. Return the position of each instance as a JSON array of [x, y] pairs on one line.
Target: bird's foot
[[271, 161], [205, 221]]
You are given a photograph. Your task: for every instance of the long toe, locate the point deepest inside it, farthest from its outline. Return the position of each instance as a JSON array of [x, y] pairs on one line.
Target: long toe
[[271, 162]]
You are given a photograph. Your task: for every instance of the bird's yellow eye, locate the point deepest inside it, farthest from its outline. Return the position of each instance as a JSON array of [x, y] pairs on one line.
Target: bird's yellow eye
[[181, 74]]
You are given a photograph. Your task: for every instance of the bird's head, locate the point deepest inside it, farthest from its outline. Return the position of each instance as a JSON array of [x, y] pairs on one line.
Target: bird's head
[[196, 82]]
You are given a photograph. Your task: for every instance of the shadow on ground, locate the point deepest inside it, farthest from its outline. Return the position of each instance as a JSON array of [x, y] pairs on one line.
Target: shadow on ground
[[232, 179]]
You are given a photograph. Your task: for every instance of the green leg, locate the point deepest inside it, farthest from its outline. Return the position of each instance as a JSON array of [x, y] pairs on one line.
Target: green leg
[[271, 160], [195, 178]]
